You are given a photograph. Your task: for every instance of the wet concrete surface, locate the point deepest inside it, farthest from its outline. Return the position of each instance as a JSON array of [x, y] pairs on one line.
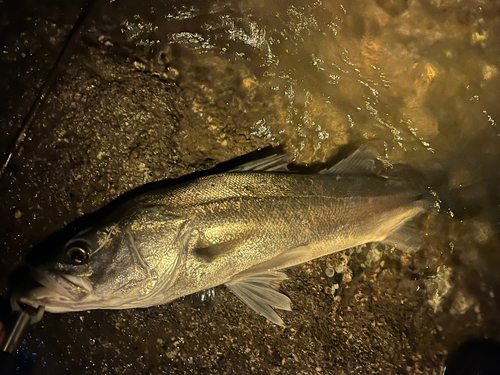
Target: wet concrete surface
[[156, 90]]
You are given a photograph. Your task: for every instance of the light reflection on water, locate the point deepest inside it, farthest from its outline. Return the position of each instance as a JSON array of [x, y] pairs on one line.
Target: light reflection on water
[[327, 73]]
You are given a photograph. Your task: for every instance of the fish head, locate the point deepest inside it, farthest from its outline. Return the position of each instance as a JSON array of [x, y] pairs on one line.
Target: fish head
[[121, 264]]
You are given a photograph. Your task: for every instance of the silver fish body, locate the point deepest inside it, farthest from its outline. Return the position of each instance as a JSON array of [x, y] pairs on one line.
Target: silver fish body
[[237, 228]]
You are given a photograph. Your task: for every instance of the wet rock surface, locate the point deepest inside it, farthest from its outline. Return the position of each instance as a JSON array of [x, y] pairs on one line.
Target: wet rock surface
[[158, 90]]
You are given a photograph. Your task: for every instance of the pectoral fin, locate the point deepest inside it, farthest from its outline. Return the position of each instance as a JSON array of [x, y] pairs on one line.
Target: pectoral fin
[[259, 293], [207, 252]]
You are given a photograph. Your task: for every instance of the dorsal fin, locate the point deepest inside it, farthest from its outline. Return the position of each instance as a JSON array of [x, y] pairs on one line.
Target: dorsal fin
[[363, 161], [272, 163]]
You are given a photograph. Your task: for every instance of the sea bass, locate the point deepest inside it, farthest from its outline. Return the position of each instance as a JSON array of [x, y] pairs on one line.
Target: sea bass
[[240, 228]]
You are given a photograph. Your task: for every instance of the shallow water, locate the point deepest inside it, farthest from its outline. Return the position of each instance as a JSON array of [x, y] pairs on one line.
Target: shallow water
[[157, 90]]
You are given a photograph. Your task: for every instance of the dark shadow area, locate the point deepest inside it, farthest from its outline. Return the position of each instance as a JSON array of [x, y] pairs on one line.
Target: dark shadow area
[[475, 357], [18, 363], [15, 364]]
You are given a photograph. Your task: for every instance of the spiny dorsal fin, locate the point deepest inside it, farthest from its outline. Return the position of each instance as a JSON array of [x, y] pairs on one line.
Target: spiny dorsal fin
[[272, 163], [362, 161], [260, 294]]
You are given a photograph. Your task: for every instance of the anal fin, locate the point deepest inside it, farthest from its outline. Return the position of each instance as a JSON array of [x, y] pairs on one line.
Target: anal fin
[[260, 294], [407, 238]]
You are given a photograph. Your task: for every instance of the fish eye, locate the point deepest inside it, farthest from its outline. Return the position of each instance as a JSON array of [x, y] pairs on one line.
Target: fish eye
[[78, 254]]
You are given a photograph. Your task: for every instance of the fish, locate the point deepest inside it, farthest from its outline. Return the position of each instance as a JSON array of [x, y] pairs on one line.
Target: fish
[[241, 228]]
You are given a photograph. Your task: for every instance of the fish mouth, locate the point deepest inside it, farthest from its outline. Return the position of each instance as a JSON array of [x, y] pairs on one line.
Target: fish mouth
[[55, 290]]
